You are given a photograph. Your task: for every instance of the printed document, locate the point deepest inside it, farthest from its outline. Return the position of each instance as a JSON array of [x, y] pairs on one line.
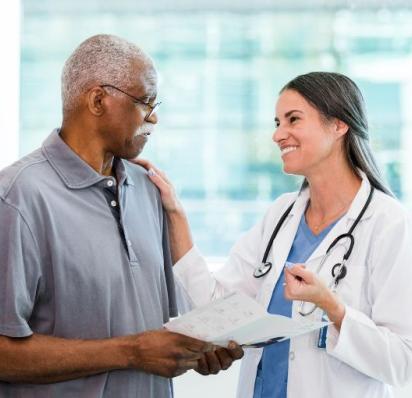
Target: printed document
[[239, 318]]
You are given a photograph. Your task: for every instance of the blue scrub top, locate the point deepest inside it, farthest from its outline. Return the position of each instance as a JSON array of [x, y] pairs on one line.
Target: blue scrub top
[[272, 372]]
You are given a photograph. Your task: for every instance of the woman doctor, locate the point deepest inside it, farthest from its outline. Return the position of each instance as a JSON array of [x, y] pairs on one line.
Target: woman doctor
[[321, 132]]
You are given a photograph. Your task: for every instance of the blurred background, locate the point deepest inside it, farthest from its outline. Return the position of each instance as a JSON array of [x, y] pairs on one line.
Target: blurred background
[[221, 64]]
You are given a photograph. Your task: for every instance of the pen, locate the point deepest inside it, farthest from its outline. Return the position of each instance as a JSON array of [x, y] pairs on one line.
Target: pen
[[289, 265], [263, 343]]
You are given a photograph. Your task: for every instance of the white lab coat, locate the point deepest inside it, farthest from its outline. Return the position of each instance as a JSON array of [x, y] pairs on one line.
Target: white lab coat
[[373, 349]]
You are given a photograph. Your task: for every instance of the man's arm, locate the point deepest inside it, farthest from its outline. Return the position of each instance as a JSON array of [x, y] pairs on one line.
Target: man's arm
[[41, 359]]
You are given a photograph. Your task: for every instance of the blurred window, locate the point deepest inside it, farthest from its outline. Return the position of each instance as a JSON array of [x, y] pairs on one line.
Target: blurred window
[[220, 73]]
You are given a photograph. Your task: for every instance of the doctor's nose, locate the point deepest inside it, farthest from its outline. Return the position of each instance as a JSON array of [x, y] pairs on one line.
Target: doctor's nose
[[279, 134]]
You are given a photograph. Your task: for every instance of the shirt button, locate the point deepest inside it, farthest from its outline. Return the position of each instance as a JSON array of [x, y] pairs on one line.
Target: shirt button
[[110, 183], [291, 355], [129, 243], [113, 203]]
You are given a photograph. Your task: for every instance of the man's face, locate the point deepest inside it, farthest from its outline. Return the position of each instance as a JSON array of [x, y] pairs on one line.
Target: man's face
[[126, 128]]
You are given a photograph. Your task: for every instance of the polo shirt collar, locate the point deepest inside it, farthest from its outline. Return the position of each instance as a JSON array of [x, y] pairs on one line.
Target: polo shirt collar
[[72, 169]]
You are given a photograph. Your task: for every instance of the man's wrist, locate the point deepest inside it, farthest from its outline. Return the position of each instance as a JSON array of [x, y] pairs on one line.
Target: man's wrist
[[124, 351]]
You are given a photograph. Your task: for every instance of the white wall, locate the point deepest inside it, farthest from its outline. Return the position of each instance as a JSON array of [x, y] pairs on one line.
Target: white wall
[[10, 76]]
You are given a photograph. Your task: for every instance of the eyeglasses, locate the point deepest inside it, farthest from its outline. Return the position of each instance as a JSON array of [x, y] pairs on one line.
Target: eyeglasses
[[152, 108]]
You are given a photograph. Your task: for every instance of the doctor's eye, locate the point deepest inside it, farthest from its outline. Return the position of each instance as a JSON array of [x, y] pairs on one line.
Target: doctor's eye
[[293, 119], [277, 123]]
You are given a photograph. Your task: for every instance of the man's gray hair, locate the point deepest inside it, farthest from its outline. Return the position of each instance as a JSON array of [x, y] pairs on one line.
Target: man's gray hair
[[101, 59]]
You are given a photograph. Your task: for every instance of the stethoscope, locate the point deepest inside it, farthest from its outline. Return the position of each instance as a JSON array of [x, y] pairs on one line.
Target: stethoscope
[[338, 271]]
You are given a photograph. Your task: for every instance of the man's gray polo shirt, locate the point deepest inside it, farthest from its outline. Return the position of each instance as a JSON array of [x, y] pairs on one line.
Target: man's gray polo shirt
[[75, 263]]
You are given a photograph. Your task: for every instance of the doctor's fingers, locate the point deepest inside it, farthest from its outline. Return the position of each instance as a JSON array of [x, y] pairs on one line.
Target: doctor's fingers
[[150, 166], [301, 273], [294, 288], [142, 162], [164, 186]]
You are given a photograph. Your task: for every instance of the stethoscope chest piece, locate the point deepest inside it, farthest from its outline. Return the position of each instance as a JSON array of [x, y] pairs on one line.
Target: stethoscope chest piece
[[339, 271], [262, 270]]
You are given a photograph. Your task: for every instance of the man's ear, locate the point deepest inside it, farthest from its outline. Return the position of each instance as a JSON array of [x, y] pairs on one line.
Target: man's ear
[[95, 103], [341, 128]]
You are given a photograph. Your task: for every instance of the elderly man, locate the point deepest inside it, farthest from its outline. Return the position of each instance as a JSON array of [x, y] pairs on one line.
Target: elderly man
[[85, 273]]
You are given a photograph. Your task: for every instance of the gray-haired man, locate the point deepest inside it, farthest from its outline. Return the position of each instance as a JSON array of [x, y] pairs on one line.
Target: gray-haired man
[[85, 273]]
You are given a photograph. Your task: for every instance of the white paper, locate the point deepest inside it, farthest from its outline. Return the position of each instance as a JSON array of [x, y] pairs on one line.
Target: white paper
[[239, 318]]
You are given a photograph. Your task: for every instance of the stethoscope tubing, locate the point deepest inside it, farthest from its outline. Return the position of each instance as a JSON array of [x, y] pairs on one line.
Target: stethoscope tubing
[[266, 266]]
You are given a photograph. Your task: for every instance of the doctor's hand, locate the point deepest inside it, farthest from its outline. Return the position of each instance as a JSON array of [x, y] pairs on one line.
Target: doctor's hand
[[304, 285], [221, 359], [179, 230], [170, 200]]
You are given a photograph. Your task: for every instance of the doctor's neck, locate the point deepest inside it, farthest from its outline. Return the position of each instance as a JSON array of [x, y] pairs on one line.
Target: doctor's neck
[[332, 189]]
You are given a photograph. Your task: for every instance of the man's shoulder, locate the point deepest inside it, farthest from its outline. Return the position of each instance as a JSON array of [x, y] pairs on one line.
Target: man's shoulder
[[134, 170], [22, 173], [138, 176]]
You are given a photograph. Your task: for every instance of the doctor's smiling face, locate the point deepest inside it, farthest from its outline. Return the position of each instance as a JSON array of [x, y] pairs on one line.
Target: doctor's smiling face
[[306, 139]]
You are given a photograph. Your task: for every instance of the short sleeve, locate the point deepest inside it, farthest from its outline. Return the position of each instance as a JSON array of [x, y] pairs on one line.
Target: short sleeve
[[19, 272]]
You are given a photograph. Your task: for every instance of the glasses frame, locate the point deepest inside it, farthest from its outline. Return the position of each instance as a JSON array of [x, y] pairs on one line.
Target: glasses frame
[[153, 108]]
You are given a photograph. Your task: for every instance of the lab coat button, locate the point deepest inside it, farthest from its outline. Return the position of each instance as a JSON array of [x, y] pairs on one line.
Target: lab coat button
[[291, 355]]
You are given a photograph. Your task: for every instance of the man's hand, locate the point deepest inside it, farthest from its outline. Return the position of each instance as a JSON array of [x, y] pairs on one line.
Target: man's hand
[[166, 353], [221, 359], [41, 359]]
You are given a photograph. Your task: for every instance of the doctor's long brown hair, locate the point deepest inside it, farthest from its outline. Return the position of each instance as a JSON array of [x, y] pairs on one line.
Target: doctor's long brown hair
[[336, 96]]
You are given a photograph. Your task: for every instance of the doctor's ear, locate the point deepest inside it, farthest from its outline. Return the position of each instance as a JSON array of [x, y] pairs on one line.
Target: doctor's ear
[[340, 128]]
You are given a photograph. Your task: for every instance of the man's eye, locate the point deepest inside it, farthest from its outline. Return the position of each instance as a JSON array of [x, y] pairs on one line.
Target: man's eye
[[293, 119], [144, 103], [277, 123]]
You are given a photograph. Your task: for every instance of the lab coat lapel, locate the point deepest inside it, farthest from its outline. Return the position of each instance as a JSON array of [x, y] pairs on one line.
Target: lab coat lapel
[[282, 244], [346, 222]]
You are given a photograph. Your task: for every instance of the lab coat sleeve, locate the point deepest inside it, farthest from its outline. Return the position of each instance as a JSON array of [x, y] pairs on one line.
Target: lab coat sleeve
[[202, 286], [380, 345], [195, 283]]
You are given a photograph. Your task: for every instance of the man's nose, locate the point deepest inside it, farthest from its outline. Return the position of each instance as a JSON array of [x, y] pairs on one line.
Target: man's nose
[[153, 119]]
